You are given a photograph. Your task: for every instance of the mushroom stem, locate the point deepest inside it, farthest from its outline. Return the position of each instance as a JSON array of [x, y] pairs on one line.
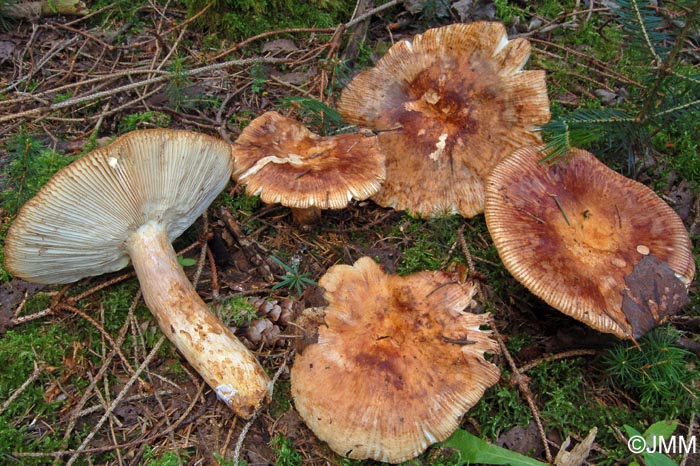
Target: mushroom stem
[[306, 215], [207, 344]]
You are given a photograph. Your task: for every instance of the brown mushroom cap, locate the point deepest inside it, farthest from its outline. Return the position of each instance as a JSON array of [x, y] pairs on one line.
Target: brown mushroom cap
[[451, 103], [283, 162], [582, 257], [398, 364]]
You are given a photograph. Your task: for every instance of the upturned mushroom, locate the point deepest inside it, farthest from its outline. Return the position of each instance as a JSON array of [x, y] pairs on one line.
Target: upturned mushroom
[[127, 202], [449, 105], [600, 247], [396, 366], [283, 162]]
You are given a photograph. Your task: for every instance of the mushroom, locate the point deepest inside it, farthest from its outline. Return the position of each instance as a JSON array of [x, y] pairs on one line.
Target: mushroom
[[128, 201], [450, 104], [577, 233], [283, 162], [398, 364]]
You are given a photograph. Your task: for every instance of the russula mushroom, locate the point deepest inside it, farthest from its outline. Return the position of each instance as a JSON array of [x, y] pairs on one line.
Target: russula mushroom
[[283, 162], [128, 201], [450, 104], [397, 364], [588, 241]]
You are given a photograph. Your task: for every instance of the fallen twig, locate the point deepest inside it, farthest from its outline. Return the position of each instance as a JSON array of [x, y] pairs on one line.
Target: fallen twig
[[128, 87], [522, 383], [30, 380]]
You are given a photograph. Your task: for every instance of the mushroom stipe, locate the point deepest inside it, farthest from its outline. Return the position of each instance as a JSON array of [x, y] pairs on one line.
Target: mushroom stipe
[[128, 201]]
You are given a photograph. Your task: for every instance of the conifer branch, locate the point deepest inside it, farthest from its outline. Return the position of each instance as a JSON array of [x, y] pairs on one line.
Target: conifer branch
[[670, 61], [645, 32]]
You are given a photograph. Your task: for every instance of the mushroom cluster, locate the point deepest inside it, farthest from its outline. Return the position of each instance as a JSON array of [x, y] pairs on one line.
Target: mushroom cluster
[[398, 363], [398, 360]]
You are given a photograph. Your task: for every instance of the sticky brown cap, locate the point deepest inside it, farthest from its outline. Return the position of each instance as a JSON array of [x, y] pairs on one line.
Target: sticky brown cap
[[574, 233], [451, 103], [281, 161], [398, 364]]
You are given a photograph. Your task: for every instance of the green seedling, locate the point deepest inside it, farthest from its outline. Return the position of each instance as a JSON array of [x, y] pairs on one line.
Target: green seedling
[[287, 455], [658, 373], [293, 279]]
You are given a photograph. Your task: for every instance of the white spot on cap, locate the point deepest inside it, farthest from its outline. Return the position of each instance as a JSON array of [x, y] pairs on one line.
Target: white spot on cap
[[683, 279], [619, 262], [292, 159], [440, 147], [643, 250], [225, 393], [113, 162]]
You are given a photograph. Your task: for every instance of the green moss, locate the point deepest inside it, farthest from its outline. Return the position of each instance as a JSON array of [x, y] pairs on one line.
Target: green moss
[[31, 166], [426, 242], [24, 425], [500, 409], [239, 203], [153, 457], [116, 302], [237, 20], [141, 120], [237, 312], [281, 399]]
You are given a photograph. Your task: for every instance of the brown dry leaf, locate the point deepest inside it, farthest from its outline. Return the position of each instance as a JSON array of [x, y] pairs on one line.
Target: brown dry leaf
[[525, 440], [297, 77], [280, 45], [577, 456], [11, 295], [470, 10], [653, 293], [7, 50]]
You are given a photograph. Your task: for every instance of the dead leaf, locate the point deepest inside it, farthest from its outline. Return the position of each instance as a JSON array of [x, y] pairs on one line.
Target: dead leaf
[[279, 46], [653, 294], [470, 10], [525, 440], [296, 77], [11, 295], [578, 455], [7, 50], [417, 6], [683, 197]]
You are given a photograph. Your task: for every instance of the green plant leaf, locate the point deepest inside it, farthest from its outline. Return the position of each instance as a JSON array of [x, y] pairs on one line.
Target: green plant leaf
[[474, 450], [658, 459], [661, 429], [185, 261], [631, 431]]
